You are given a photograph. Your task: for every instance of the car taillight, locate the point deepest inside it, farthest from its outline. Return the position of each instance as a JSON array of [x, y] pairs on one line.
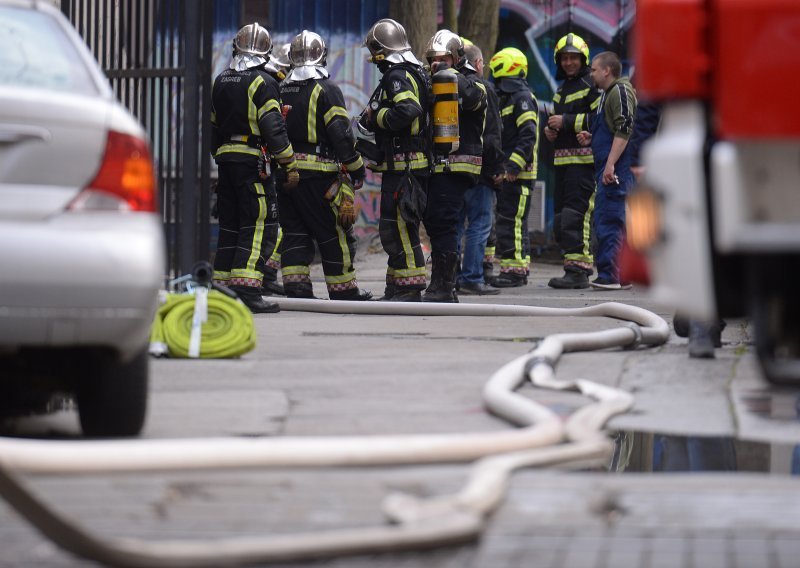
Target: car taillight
[[125, 181]]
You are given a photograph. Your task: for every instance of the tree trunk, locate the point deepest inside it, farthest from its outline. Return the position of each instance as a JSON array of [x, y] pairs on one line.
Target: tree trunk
[[450, 15], [478, 21], [418, 17]]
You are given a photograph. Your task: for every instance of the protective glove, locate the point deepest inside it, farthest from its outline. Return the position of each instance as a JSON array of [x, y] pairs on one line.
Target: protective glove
[[292, 179], [291, 175], [347, 207]]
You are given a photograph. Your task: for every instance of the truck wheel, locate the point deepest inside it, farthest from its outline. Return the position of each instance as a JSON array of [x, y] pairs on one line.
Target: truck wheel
[[111, 395], [776, 322]]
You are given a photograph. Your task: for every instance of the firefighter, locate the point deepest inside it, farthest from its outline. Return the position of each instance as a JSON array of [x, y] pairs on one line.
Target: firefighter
[[246, 117], [456, 172], [278, 67], [519, 112], [279, 63], [574, 193], [321, 207], [400, 121]]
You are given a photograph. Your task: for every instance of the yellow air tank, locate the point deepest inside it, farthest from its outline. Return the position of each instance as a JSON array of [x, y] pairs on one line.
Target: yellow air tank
[[445, 112]]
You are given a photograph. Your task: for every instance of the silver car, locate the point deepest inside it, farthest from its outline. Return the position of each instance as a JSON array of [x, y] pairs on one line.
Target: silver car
[[82, 252]]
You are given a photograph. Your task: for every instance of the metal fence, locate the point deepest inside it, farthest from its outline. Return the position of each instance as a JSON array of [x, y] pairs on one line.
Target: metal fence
[[157, 56]]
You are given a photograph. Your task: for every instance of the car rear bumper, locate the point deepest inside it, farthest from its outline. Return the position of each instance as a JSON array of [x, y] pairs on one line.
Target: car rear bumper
[[88, 279]]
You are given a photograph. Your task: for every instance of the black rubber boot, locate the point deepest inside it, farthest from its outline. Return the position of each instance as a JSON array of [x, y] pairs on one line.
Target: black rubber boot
[[272, 287], [443, 278], [572, 280], [299, 290], [508, 280], [251, 297], [354, 295], [388, 293], [404, 294]]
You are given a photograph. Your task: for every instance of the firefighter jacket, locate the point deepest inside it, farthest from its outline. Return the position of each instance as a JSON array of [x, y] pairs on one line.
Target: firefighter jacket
[[575, 100], [493, 157], [246, 116], [402, 120], [319, 128], [468, 159], [519, 113]]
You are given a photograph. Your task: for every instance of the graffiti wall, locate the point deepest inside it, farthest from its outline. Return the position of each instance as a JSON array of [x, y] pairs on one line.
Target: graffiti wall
[[533, 26], [536, 26]]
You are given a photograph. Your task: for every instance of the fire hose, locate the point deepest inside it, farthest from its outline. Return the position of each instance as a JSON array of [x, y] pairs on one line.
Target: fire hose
[[205, 321], [540, 439], [227, 330]]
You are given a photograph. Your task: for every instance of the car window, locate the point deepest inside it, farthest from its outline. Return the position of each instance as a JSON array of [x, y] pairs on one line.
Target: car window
[[35, 52]]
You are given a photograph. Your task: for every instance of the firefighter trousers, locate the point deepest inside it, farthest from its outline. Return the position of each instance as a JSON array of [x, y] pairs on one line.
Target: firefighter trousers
[[573, 203], [307, 217], [513, 242], [399, 238], [248, 224], [445, 200]]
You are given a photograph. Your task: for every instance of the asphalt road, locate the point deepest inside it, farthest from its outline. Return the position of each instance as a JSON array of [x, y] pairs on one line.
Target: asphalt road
[[338, 375]]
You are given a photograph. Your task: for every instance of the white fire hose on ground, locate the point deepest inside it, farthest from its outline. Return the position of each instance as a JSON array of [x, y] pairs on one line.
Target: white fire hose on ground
[[543, 439]]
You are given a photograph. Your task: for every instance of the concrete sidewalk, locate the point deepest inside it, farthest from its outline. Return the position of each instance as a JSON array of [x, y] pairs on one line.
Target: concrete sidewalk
[[330, 375]]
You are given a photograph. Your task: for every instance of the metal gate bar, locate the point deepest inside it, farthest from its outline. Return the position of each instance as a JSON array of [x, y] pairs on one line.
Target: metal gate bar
[[157, 55]]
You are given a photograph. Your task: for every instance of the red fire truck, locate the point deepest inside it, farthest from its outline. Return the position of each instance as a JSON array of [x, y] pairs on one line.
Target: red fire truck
[[718, 216]]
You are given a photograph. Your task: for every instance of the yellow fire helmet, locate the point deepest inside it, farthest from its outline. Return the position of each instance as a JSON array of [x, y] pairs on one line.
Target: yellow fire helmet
[[509, 62], [572, 43]]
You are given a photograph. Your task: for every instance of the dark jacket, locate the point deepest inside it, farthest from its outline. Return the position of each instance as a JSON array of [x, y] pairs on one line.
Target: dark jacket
[[493, 156], [519, 112], [648, 117], [246, 115], [319, 128], [402, 121], [575, 100]]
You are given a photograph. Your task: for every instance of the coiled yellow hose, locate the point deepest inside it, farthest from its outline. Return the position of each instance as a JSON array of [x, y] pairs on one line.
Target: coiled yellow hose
[[228, 331]]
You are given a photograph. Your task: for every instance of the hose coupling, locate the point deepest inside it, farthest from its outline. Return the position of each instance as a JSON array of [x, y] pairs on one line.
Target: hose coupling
[[537, 360], [637, 336]]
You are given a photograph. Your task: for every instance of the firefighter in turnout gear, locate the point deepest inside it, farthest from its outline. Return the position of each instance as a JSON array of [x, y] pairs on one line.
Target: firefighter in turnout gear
[[319, 128], [246, 119], [455, 172], [278, 67], [574, 164], [399, 116], [519, 113]]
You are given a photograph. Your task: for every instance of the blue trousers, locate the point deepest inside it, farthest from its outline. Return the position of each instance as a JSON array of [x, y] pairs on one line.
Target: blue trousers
[[476, 213], [609, 226]]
